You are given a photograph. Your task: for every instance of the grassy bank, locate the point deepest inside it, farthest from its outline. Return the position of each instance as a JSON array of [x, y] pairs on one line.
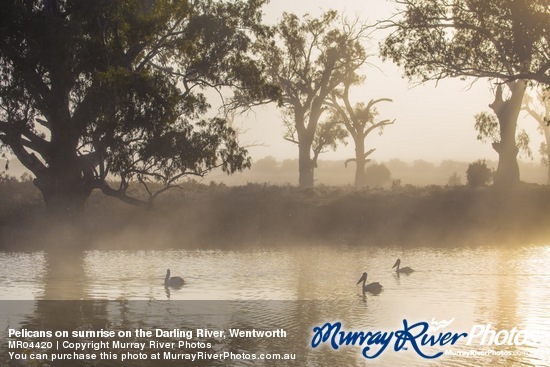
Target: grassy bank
[[218, 216]]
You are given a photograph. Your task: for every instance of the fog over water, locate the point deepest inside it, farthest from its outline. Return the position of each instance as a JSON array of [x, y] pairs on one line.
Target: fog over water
[[504, 287]]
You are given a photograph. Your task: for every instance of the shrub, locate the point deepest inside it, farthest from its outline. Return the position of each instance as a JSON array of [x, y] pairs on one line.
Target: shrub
[[478, 174], [454, 180], [377, 175]]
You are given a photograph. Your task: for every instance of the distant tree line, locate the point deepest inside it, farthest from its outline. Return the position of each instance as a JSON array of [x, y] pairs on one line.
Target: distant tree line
[[385, 174]]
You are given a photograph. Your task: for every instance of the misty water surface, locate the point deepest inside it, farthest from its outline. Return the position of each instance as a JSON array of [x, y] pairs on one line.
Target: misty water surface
[[505, 287]]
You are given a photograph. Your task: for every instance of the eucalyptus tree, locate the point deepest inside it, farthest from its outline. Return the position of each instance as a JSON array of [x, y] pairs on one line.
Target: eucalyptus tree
[[308, 58], [539, 109], [327, 136], [490, 127], [360, 120], [504, 41], [91, 90]]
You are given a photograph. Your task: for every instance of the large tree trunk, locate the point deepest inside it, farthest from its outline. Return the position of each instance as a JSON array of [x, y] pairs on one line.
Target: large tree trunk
[[507, 112], [64, 188], [360, 162], [507, 173], [64, 200], [64, 184], [305, 164], [546, 130], [360, 175]]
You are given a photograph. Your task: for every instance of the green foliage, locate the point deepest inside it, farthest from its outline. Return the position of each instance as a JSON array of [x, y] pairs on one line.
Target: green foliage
[[488, 129], [500, 39], [522, 142], [478, 174], [96, 88], [539, 109], [328, 136]]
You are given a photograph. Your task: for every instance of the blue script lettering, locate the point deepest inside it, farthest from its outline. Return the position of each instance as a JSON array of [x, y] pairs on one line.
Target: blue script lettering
[[405, 335], [338, 338], [414, 335]]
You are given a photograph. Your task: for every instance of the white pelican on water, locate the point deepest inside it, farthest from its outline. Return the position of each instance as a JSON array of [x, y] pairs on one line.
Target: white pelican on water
[[373, 288], [174, 282], [405, 270]]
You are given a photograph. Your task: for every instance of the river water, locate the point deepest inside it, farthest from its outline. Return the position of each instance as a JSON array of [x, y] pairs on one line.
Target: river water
[[300, 288]]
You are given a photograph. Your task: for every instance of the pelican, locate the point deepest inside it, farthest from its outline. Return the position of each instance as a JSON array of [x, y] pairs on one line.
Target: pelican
[[405, 270], [174, 282], [373, 288]]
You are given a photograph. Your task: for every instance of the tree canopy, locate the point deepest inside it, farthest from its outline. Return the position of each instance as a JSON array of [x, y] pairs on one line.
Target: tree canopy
[[499, 39], [97, 89], [308, 58], [360, 120], [539, 109]]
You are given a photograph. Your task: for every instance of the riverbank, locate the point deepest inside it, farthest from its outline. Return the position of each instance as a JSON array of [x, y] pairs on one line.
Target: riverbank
[[219, 216]]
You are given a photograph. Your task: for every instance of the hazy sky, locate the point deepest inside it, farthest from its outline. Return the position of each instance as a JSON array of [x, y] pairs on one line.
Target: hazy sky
[[432, 122]]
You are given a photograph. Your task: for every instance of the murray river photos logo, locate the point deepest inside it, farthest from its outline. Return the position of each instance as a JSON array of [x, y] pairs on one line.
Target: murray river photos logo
[[416, 336]]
